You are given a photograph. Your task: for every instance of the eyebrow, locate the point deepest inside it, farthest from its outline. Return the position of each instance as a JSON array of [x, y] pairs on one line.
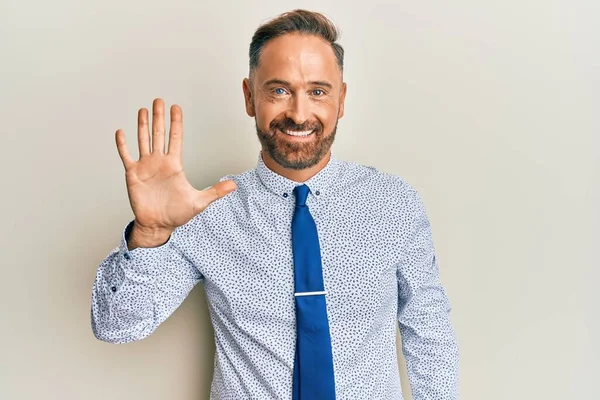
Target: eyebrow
[[286, 83]]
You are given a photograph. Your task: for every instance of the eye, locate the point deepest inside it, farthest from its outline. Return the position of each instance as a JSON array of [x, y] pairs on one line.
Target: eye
[[279, 91], [318, 92]]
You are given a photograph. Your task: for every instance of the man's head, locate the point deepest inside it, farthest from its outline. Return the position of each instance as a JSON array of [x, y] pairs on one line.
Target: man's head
[[295, 90]]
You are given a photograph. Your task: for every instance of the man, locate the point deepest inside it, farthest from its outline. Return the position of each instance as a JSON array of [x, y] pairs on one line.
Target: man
[[309, 262]]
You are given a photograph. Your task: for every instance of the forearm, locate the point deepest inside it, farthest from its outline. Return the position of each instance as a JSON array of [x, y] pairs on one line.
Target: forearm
[[136, 290], [122, 302], [431, 351]]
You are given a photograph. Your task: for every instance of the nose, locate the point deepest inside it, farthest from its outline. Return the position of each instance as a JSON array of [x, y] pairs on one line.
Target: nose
[[299, 109]]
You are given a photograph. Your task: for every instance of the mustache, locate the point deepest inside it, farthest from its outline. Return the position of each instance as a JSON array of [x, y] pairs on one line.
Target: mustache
[[288, 124]]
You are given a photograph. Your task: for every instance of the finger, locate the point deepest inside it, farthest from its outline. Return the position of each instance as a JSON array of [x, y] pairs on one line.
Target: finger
[[143, 132], [213, 193], [176, 131], [158, 126], [122, 149]]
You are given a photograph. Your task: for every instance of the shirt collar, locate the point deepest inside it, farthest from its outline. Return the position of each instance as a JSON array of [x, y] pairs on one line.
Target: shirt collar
[[319, 185]]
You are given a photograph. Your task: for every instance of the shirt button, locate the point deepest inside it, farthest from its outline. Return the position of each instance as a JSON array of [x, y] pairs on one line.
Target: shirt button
[[127, 256], [285, 195], [113, 289], [317, 193]]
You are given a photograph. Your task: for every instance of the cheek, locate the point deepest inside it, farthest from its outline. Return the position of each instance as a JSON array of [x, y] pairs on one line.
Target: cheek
[[264, 120], [328, 115], [267, 112]]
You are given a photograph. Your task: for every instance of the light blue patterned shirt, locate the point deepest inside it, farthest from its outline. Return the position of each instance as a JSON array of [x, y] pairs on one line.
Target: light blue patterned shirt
[[379, 269]]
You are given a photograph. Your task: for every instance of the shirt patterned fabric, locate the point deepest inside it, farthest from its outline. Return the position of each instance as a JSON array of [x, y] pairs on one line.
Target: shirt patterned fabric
[[379, 270]]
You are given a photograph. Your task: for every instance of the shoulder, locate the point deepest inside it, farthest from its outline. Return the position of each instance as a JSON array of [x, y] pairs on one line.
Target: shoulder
[[223, 210], [246, 182], [378, 184]]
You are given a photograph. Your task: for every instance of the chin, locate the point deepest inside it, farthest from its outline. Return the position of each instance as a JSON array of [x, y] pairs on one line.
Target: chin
[[295, 155], [296, 160]]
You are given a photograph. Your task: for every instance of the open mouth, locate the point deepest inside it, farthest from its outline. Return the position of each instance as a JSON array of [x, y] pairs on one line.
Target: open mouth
[[298, 133]]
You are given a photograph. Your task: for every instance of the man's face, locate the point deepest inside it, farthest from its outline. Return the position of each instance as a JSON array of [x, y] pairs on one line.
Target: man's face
[[296, 96]]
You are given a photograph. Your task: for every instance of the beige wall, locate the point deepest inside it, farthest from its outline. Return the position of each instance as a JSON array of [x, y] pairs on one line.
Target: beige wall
[[489, 108]]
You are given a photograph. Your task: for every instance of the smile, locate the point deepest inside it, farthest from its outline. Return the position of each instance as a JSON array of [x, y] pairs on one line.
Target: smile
[[298, 133]]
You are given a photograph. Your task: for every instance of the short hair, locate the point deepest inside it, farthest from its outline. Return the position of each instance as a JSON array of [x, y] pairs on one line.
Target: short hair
[[297, 21]]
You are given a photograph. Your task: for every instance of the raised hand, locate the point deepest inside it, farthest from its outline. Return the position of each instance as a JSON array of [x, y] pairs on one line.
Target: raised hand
[[159, 193]]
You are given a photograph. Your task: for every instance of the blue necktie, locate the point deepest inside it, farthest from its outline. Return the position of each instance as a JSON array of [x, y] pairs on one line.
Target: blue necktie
[[313, 364]]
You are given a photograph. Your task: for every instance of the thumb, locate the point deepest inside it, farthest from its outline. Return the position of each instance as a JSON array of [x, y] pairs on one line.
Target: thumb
[[212, 193]]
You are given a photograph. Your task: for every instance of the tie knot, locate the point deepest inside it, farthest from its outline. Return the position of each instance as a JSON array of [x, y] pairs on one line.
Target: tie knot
[[301, 193]]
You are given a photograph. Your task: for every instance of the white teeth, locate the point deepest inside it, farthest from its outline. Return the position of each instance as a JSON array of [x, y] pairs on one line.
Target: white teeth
[[295, 133]]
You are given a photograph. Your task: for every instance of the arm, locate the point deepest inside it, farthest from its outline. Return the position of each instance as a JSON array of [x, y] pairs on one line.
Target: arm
[[428, 339], [136, 290], [140, 283]]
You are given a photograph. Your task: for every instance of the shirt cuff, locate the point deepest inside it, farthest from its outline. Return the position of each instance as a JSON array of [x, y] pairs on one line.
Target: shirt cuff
[[124, 254], [141, 262]]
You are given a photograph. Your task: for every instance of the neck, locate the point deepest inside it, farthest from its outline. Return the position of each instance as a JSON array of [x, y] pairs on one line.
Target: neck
[[296, 175]]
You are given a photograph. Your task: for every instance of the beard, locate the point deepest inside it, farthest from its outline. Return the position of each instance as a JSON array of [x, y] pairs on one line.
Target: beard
[[296, 155]]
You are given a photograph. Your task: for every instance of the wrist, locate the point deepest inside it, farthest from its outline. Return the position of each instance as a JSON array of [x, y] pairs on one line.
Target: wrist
[[141, 236]]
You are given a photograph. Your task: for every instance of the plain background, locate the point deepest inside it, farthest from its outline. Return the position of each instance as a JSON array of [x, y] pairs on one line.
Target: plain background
[[489, 108]]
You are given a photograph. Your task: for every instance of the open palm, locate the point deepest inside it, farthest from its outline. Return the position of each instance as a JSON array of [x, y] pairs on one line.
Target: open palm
[[160, 194]]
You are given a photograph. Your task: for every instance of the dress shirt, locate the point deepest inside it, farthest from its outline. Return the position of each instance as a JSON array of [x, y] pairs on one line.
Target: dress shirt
[[379, 270]]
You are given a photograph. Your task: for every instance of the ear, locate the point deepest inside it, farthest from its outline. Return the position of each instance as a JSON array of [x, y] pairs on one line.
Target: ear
[[248, 100], [342, 100]]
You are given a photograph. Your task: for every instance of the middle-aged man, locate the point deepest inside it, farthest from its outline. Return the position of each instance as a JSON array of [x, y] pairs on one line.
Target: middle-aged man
[[309, 262]]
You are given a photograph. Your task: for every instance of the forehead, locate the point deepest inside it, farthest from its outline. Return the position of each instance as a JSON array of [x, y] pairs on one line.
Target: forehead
[[298, 58]]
